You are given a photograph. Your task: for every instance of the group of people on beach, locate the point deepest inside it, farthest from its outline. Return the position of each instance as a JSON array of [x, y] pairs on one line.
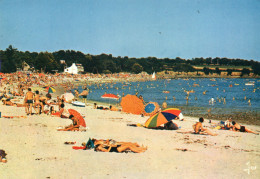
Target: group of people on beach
[[228, 125], [42, 104]]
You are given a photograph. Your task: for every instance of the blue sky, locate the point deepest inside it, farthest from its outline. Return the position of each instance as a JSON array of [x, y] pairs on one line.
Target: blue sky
[[134, 28]]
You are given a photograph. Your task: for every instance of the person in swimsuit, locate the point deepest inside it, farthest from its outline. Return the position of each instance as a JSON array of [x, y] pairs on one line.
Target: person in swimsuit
[[52, 111], [74, 126], [84, 95], [236, 127], [37, 103], [76, 93], [198, 128], [112, 146], [29, 101], [227, 124]]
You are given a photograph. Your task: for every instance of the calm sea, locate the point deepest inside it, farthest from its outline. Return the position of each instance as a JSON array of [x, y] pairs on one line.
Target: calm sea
[[228, 94]]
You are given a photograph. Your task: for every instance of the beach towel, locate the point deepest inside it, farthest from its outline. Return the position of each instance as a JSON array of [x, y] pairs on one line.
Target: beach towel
[[56, 114], [2, 153], [78, 147], [218, 127]]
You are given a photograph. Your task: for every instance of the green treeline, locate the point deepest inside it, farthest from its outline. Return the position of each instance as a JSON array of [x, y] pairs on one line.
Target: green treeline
[[105, 63]]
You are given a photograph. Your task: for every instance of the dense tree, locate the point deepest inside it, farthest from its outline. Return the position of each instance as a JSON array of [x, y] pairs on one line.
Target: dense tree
[[45, 62], [229, 72], [137, 68], [256, 68], [206, 70], [245, 71], [217, 70], [9, 60], [183, 68], [12, 58]]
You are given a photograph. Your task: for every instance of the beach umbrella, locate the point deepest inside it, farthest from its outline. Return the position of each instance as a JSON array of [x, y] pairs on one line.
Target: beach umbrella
[[68, 96], [110, 96], [78, 116], [162, 117], [50, 89], [151, 108], [132, 104]]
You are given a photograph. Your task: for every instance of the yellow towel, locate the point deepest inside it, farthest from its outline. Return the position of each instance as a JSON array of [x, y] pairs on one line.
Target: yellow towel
[[218, 127]]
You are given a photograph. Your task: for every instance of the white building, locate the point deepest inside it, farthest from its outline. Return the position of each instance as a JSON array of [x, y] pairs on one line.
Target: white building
[[73, 69], [80, 68]]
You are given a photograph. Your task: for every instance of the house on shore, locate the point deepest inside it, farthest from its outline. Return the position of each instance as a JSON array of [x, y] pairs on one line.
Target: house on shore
[[74, 69]]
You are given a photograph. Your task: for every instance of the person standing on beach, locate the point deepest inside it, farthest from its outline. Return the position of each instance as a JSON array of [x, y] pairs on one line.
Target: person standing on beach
[[28, 101], [76, 93], [37, 102], [84, 95]]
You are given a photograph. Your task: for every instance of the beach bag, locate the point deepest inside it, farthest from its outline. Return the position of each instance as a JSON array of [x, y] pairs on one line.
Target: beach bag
[[171, 126], [2, 153], [90, 144]]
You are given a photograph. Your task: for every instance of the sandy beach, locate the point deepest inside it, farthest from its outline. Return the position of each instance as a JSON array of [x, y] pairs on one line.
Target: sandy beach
[[36, 149]]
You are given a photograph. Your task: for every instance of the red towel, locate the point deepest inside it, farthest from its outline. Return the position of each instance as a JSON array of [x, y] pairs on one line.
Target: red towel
[[78, 147]]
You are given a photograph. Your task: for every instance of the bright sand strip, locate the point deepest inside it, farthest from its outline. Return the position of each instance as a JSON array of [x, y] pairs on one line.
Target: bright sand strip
[[36, 149]]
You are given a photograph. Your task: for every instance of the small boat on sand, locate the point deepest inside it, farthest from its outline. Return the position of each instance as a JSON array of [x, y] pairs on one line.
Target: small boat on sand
[[78, 103]]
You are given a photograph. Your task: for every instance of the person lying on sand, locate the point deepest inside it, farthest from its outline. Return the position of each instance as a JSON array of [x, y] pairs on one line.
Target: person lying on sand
[[227, 124], [61, 112], [113, 108], [74, 126], [7, 102], [238, 128], [198, 128], [113, 146], [100, 107]]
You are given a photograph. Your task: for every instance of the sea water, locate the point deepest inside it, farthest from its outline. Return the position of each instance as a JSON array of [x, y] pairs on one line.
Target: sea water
[[228, 94]]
